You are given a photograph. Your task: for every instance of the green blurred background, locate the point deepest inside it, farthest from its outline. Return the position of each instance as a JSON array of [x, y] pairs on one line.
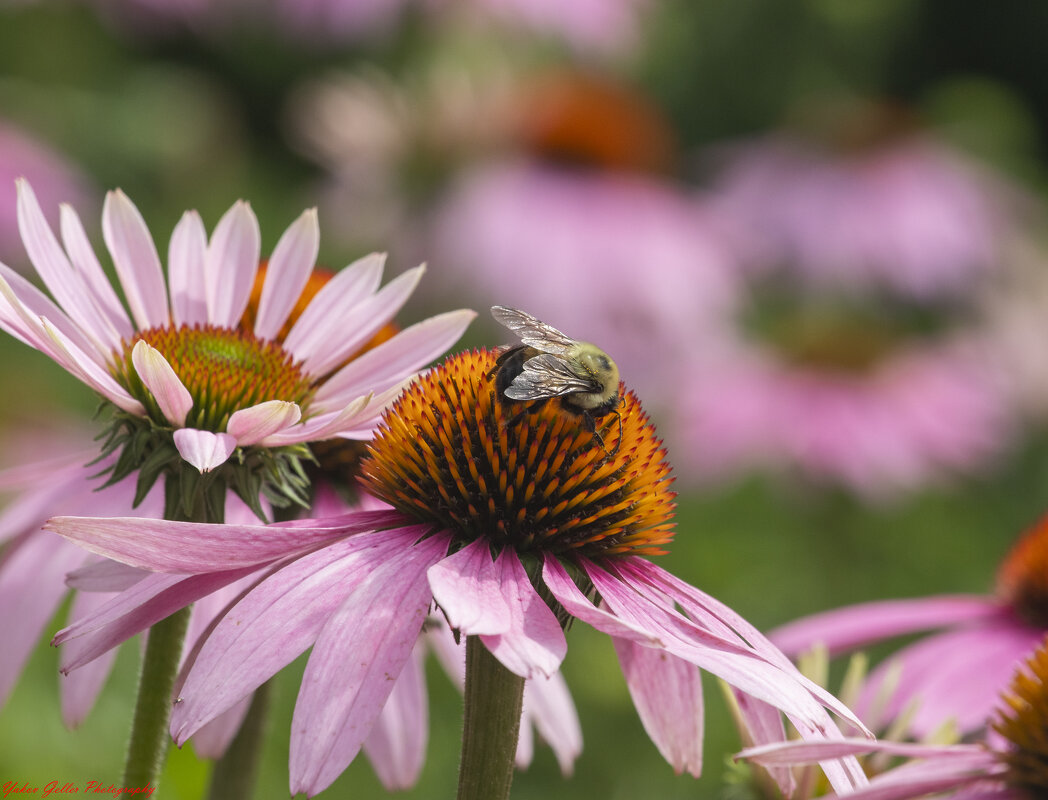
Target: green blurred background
[[195, 113]]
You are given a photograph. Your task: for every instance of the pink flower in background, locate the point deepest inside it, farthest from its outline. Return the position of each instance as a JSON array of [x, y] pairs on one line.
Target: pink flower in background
[[910, 213], [954, 674], [359, 588], [55, 178], [636, 263]]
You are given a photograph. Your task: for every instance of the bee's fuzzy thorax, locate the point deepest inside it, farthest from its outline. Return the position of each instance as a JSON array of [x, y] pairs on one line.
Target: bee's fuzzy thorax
[[450, 451]]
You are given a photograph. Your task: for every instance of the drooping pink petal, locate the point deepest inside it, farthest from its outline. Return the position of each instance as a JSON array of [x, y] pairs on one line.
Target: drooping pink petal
[[150, 600], [80, 687], [855, 626], [362, 411], [104, 576], [335, 299], [78, 246], [136, 260], [289, 269], [667, 693], [548, 705], [761, 724], [468, 590], [407, 352], [343, 336], [66, 285], [801, 752], [32, 573], [205, 450], [251, 425], [190, 548], [231, 263], [534, 643], [170, 393], [396, 746], [274, 623], [185, 271], [361, 650]]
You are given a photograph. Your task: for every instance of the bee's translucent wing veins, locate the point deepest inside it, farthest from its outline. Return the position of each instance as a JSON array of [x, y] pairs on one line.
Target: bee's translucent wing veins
[[532, 331], [548, 376]]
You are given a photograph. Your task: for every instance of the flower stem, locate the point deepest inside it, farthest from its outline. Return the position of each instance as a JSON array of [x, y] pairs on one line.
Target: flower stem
[[493, 699], [149, 736], [235, 772]]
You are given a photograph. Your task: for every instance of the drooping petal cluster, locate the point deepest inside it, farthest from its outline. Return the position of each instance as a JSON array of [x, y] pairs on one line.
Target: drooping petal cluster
[[359, 588]]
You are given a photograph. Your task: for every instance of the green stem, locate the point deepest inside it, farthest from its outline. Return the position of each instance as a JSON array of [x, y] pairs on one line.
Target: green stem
[[235, 772], [493, 699], [149, 736]]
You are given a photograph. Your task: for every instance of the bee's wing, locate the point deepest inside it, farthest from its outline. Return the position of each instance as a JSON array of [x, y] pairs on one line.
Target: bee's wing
[[549, 376], [533, 332]]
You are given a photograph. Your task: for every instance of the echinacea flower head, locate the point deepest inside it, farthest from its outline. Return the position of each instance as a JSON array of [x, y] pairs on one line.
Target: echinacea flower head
[[188, 380], [1011, 763], [509, 518], [954, 673]]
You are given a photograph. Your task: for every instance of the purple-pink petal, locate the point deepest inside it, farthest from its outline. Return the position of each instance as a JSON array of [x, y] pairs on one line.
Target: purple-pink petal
[[467, 587], [213, 739], [534, 643], [170, 393], [80, 687], [231, 263], [205, 450], [289, 269], [251, 425], [185, 271], [387, 364], [858, 625], [355, 662], [396, 745], [333, 303], [667, 693], [188, 547], [548, 705], [136, 260]]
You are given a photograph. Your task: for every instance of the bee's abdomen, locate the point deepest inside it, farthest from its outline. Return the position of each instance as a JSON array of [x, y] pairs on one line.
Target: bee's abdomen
[[509, 365]]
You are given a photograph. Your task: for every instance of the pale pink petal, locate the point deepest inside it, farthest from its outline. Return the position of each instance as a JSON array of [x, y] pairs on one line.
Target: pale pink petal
[[393, 360], [333, 302], [249, 426], [855, 626], [289, 268], [362, 411], [32, 584], [54, 268], [104, 576], [150, 600], [80, 688], [396, 746], [170, 393], [343, 336], [534, 644], [799, 752], [189, 547], [80, 364], [468, 590], [185, 271], [78, 246], [274, 623], [361, 651], [136, 261], [763, 724], [548, 705], [23, 306], [213, 739], [230, 265], [667, 693], [205, 450]]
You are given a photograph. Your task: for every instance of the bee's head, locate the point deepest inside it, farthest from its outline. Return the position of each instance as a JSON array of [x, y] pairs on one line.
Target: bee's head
[[599, 364]]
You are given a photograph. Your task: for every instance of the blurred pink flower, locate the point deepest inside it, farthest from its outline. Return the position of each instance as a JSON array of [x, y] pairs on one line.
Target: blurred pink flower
[[926, 412], [956, 673], [634, 262], [56, 180], [910, 214]]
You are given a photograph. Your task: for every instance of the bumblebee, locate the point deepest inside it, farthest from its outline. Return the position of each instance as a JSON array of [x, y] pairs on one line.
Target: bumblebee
[[547, 364]]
